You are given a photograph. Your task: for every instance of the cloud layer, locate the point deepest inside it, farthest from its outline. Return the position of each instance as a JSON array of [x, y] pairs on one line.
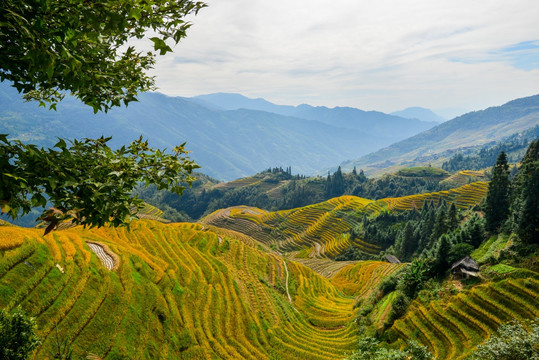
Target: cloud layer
[[384, 55]]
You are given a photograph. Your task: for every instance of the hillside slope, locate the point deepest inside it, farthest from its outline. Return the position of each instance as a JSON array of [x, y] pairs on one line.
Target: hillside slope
[[438, 143], [324, 227], [177, 291]]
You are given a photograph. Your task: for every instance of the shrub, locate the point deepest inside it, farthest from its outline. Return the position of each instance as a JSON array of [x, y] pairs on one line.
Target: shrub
[[17, 335], [511, 342]]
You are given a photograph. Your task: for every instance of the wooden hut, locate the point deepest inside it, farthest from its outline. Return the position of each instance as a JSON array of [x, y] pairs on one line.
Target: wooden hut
[[465, 268], [392, 259]]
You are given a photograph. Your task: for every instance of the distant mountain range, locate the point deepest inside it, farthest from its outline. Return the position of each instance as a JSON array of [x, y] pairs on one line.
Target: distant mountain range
[[374, 123], [435, 145], [230, 136], [419, 113]]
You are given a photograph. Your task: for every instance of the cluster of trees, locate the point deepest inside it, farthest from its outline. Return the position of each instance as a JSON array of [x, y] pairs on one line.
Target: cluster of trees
[[411, 234], [513, 206], [438, 235]]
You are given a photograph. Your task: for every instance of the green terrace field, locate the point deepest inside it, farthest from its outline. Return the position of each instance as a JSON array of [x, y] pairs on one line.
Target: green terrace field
[[179, 291], [197, 291], [452, 328], [324, 227]]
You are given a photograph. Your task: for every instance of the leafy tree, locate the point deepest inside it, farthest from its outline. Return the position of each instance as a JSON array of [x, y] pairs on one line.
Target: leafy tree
[[511, 342], [369, 348], [17, 335], [50, 47], [458, 251], [414, 276], [497, 201], [87, 182]]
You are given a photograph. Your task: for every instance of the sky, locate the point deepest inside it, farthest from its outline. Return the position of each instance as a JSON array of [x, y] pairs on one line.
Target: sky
[[451, 56]]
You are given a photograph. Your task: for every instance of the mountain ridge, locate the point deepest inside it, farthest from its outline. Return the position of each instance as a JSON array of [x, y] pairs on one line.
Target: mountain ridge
[[436, 144], [228, 144]]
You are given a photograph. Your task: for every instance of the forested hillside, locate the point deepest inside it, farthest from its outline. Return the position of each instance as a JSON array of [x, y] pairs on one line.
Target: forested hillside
[[277, 189]]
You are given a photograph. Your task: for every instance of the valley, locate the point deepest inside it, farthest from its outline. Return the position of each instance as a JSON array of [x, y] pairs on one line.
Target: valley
[[246, 283], [299, 181]]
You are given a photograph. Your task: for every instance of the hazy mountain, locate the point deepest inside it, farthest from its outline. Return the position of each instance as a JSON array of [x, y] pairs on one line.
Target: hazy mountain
[[471, 129], [419, 113], [227, 144], [231, 101], [374, 123]]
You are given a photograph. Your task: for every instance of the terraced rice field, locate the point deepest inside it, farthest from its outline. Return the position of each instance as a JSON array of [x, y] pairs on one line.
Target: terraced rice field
[[324, 227], [181, 291], [452, 329], [464, 177], [463, 197], [363, 277], [321, 225]]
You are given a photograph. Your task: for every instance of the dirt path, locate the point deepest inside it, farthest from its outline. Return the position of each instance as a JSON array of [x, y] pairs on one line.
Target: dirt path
[[103, 255], [287, 274]]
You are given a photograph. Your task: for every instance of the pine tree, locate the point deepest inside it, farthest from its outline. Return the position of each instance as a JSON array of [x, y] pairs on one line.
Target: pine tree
[[440, 226], [497, 202], [525, 204], [441, 263], [409, 243], [452, 218]]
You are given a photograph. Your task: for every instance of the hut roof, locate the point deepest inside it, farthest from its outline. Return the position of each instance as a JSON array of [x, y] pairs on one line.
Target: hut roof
[[466, 262], [392, 259]]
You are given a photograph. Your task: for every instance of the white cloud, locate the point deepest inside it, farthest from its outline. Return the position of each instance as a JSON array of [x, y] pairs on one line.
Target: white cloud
[[383, 55]]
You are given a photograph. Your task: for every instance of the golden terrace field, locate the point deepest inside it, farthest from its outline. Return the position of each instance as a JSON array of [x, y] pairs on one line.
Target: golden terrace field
[[180, 291], [323, 227]]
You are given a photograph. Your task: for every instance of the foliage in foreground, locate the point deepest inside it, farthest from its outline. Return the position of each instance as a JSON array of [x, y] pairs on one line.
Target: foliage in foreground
[[17, 335], [511, 342], [87, 182], [50, 47], [370, 348]]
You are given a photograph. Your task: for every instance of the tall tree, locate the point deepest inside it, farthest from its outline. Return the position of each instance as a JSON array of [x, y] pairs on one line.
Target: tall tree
[[497, 201], [441, 263], [409, 243], [440, 226], [452, 218], [525, 204]]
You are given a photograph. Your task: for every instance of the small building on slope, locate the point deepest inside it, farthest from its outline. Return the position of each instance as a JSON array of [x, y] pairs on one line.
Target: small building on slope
[[392, 259], [465, 268]]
